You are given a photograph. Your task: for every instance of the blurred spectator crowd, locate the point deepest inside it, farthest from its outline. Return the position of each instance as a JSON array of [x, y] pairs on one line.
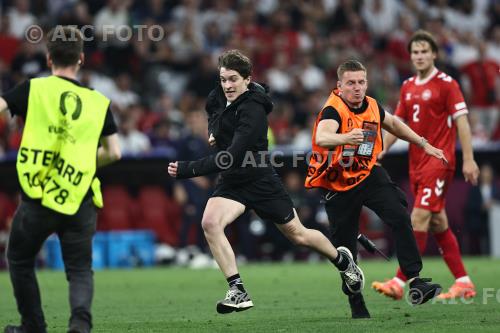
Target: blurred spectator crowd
[[155, 83], [158, 86]]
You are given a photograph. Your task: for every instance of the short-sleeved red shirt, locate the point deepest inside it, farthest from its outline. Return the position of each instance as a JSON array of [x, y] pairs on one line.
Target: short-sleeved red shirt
[[430, 107]]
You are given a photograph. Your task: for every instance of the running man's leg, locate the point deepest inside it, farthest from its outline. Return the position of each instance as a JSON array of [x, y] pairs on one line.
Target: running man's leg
[[394, 287], [311, 238], [389, 203], [429, 189], [219, 213], [343, 210], [299, 235], [271, 202], [420, 220]]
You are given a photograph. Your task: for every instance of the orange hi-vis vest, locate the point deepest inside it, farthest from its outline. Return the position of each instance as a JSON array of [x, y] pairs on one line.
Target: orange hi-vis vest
[[344, 167]]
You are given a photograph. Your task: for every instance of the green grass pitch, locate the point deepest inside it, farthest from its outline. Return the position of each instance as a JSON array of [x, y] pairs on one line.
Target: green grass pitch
[[288, 298]]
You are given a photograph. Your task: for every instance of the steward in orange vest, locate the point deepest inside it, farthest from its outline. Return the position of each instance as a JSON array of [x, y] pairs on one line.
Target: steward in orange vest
[[346, 142], [347, 165]]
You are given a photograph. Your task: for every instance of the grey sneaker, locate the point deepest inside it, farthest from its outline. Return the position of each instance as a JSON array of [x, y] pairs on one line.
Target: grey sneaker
[[353, 275], [236, 300]]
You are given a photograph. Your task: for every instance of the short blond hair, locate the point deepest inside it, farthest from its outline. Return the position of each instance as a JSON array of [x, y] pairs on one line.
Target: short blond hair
[[350, 66]]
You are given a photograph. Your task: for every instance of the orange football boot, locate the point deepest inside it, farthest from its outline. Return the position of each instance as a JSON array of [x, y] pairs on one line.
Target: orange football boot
[[461, 290], [389, 288]]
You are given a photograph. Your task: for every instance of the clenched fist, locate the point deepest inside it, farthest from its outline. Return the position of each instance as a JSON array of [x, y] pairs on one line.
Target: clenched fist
[[354, 137]]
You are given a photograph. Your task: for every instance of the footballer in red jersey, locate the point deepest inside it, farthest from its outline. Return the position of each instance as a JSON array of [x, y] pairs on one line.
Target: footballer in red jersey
[[433, 106], [430, 107]]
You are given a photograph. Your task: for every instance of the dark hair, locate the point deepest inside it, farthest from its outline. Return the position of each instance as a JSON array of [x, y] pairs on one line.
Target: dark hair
[[64, 44], [423, 36], [237, 61], [350, 66]]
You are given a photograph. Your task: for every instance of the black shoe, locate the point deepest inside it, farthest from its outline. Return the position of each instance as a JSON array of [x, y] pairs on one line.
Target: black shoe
[[14, 329], [77, 330], [78, 327], [358, 307], [421, 290]]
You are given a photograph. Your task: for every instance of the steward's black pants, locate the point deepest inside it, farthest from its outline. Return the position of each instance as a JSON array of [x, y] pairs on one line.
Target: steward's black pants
[[381, 195], [31, 226]]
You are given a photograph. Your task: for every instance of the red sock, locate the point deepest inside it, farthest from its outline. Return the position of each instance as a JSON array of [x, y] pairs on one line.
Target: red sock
[[421, 238], [448, 247]]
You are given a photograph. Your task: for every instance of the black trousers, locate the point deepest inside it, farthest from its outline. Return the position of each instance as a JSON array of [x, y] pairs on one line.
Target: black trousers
[[31, 226], [381, 195]]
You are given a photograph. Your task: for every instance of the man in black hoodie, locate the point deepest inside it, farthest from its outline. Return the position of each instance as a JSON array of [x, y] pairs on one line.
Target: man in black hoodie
[[237, 111]]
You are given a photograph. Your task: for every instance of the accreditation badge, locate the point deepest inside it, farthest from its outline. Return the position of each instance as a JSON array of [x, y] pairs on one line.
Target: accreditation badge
[[369, 137], [348, 151]]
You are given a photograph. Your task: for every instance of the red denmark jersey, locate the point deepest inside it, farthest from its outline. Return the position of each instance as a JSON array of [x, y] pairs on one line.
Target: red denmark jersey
[[430, 107]]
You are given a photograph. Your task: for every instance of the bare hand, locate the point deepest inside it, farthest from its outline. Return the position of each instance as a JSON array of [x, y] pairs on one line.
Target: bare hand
[[470, 171], [211, 140], [354, 137], [437, 153], [172, 169]]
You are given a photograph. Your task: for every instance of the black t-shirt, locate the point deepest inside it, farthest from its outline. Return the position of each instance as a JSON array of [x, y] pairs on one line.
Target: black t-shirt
[[17, 100], [331, 113]]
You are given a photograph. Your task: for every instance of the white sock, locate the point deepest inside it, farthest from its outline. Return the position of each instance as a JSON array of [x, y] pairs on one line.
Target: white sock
[[464, 279], [399, 281]]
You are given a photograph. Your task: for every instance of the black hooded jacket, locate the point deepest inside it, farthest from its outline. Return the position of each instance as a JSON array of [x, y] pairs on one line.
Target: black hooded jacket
[[240, 131]]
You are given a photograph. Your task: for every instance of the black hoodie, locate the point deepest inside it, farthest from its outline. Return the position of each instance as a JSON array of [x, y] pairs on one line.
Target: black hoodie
[[239, 129]]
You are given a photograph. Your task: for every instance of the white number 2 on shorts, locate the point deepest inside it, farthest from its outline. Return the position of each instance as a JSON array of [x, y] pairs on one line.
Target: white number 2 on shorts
[[427, 194]]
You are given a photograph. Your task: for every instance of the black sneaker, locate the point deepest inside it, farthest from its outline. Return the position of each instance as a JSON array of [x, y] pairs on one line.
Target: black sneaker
[[421, 290], [235, 300], [358, 306], [78, 326], [76, 329], [353, 278], [14, 329]]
